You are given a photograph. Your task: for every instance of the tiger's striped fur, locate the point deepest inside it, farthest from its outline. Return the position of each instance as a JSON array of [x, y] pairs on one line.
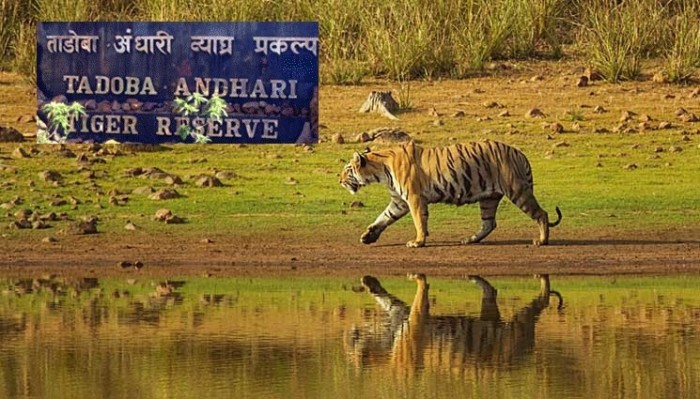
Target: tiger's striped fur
[[460, 174]]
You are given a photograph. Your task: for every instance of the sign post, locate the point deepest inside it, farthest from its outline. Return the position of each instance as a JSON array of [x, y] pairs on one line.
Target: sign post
[[129, 75]]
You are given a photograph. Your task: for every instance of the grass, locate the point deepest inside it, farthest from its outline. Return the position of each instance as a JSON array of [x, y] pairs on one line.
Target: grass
[[590, 179], [413, 39]]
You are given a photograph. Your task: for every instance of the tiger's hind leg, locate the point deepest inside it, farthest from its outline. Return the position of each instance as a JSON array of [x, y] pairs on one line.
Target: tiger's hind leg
[[488, 207], [526, 201]]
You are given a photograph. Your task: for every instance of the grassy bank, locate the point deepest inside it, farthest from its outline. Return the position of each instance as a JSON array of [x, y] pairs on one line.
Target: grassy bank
[[417, 39], [603, 173]]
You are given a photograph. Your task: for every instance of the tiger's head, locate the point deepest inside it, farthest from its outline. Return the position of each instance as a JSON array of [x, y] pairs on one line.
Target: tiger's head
[[359, 172]]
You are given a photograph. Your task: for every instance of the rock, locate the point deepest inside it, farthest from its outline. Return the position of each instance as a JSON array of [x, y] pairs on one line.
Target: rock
[[363, 137], [162, 214], [536, 78], [50, 176], [665, 125], [438, 122], [164, 194], [130, 226], [561, 144], [172, 180], [658, 149], [208, 181], [357, 204], [433, 112], [291, 181], [143, 190], [86, 226], [534, 113], [10, 135], [582, 81], [338, 139], [48, 239], [674, 148], [689, 117], [627, 116], [680, 111], [631, 166], [492, 104], [124, 264], [645, 118], [458, 114], [556, 127], [599, 109], [20, 153], [174, 220], [504, 114]]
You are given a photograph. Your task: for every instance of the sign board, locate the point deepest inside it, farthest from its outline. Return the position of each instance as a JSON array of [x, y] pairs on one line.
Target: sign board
[[129, 75]]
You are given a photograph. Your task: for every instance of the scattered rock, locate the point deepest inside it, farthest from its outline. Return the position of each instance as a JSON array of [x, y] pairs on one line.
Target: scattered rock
[[338, 139], [143, 190], [130, 226], [386, 135], [164, 194], [601, 130], [674, 148], [582, 81], [172, 180], [86, 226], [438, 122], [645, 118], [631, 166], [291, 181], [658, 149], [433, 112], [504, 114], [208, 181], [537, 78], [665, 125], [599, 109], [627, 116], [357, 204], [48, 239], [493, 104], [10, 135], [458, 114], [689, 117], [20, 153], [561, 144], [556, 127], [534, 113], [124, 264], [680, 111]]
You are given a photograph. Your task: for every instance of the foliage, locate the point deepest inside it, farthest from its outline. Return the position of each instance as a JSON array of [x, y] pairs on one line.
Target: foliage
[[198, 105], [60, 117]]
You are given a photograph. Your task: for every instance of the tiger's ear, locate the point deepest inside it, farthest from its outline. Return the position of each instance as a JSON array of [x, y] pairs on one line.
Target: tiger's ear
[[359, 159]]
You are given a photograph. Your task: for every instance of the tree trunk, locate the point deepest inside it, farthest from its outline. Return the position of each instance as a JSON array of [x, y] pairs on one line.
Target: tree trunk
[[382, 103]]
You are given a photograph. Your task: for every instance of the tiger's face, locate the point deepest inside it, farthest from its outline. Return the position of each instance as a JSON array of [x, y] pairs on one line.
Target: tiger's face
[[351, 176]]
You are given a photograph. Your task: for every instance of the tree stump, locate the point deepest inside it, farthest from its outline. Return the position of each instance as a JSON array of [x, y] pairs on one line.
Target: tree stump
[[381, 102]]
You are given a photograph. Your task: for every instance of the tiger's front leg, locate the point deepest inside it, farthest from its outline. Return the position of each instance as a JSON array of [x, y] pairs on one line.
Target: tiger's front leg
[[396, 209], [419, 213]]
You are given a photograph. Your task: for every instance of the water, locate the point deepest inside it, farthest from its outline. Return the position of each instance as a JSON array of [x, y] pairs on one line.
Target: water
[[318, 338]]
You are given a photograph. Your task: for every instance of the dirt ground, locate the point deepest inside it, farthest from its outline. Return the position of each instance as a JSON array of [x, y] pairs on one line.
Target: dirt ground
[[602, 253]]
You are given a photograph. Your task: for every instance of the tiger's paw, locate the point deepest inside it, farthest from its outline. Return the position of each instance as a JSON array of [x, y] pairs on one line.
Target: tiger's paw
[[471, 240], [415, 244], [370, 236]]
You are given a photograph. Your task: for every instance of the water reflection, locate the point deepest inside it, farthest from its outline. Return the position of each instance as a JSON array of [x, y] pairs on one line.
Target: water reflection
[[410, 338], [316, 338]]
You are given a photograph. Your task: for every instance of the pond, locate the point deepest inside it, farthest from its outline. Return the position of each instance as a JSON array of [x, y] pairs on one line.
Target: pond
[[389, 337]]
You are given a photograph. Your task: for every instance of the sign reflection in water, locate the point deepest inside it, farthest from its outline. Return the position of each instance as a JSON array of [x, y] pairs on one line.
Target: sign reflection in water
[[311, 337]]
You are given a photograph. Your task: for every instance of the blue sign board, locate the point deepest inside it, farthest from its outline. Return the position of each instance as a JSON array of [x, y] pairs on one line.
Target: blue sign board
[[129, 76]]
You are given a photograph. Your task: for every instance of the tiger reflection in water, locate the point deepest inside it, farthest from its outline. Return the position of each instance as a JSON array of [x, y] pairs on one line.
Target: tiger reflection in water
[[411, 339]]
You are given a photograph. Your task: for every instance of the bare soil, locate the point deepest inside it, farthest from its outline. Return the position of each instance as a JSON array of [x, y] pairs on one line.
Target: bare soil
[[600, 253]]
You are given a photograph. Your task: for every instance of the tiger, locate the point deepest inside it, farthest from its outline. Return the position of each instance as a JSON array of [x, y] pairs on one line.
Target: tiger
[[459, 174]]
